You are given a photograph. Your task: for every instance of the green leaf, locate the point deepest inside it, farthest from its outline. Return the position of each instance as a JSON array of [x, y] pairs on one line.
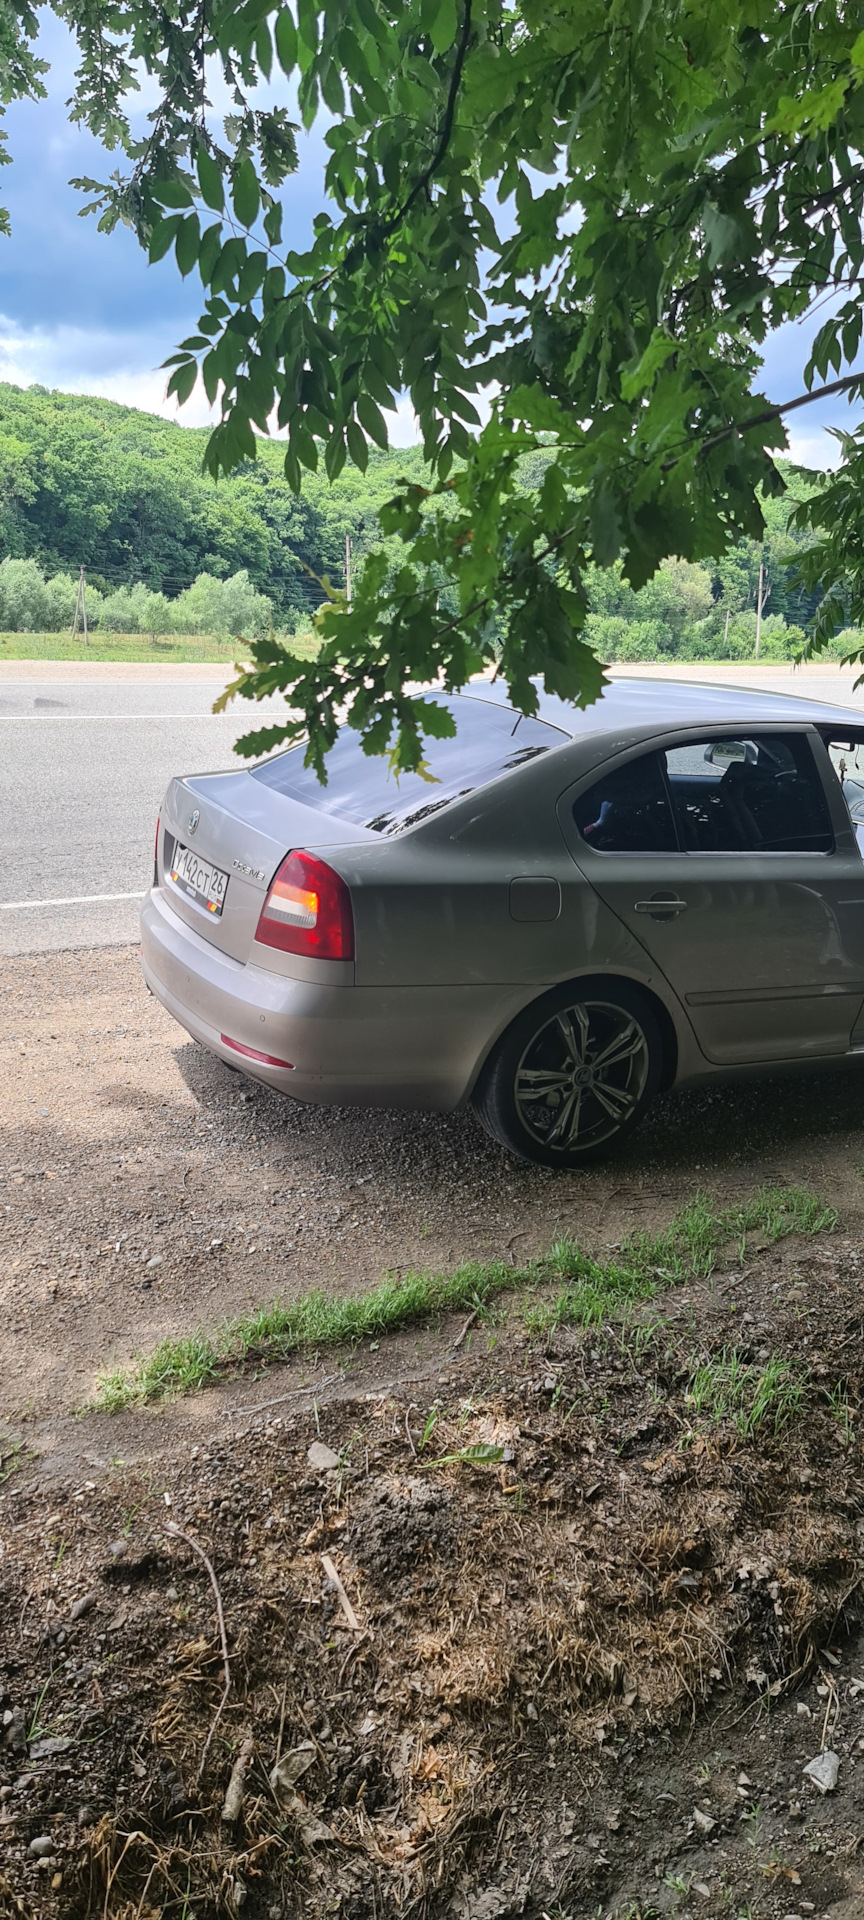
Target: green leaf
[[358, 445], [443, 25], [246, 196], [371, 417], [171, 193], [210, 180], [162, 236], [187, 243], [286, 40], [209, 251], [183, 380]]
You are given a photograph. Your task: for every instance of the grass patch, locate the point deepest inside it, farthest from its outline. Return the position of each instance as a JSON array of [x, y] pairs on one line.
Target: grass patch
[[746, 1394], [138, 648], [686, 1250], [12, 1456]]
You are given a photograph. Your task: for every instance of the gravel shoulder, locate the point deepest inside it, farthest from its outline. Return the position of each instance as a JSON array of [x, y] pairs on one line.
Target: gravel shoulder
[[147, 1190]]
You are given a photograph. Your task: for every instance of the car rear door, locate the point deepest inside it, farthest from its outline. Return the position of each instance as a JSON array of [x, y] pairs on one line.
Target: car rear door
[[731, 858]]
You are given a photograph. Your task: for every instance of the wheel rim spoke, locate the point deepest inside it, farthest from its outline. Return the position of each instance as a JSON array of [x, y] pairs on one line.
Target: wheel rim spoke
[[624, 1047], [534, 1083], [567, 1124], [573, 1024], [617, 1102]]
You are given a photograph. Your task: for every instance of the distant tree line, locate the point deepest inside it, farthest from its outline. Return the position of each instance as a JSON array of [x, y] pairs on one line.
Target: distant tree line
[[85, 481], [231, 609]]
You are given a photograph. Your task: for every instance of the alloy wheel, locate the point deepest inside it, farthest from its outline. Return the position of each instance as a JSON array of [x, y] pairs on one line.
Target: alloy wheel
[[581, 1077]]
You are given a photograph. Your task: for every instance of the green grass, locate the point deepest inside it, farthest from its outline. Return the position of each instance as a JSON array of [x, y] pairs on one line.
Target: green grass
[[748, 1394], [12, 1456], [686, 1250], [137, 648]]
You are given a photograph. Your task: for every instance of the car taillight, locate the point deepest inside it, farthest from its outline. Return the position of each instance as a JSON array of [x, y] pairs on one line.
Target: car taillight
[[308, 910]]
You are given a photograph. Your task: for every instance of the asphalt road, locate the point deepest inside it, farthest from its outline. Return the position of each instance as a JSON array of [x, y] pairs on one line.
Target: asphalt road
[[84, 763], [86, 756]]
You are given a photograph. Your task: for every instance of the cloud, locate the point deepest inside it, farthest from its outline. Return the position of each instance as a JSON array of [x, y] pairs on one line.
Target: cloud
[[115, 365]]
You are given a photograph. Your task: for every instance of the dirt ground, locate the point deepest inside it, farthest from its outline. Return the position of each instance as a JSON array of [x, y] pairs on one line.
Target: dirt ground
[[585, 1633], [537, 1636], [146, 1188]]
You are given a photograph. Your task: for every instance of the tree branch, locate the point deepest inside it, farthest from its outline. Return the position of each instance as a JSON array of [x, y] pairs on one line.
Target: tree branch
[[769, 413], [429, 172]]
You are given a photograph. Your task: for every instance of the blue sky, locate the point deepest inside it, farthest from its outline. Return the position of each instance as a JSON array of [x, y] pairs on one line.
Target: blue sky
[[83, 311]]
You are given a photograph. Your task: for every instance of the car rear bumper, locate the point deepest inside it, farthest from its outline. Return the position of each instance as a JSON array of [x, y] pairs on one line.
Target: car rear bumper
[[346, 1045]]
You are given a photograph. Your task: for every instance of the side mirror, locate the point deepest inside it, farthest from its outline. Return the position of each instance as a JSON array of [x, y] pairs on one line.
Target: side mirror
[[721, 753]]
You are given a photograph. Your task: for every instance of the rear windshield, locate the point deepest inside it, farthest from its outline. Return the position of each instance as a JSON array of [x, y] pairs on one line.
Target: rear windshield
[[489, 740]]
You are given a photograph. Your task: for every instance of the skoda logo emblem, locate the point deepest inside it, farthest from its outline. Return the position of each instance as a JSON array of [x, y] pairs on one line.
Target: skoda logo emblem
[[193, 820]]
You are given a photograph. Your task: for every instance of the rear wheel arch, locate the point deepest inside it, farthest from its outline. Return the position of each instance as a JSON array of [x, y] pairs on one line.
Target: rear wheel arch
[[592, 983]]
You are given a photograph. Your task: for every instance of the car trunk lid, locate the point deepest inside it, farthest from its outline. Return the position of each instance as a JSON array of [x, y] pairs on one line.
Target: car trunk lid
[[236, 828]]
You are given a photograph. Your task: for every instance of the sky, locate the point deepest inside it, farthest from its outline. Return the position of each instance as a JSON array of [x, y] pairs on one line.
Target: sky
[[84, 311]]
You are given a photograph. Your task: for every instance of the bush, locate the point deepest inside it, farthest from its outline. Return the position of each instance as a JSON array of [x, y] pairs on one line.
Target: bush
[[230, 608], [31, 604]]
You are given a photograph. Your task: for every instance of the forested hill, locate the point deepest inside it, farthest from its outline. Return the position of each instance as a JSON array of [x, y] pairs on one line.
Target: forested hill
[[86, 480]]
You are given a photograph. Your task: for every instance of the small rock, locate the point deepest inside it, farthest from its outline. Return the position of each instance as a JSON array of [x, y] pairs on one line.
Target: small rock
[[703, 1820], [41, 1846], [700, 1887], [322, 1458], [46, 1749], [292, 1766], [531, 1711], [156, 1260], [823, 1771], [803, 1710], [82, 1606], [117, 1548]]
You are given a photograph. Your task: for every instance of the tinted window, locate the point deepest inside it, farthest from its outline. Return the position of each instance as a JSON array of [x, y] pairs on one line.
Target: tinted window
[[749, 794], [628, 810], [489, 740], [847, 759]]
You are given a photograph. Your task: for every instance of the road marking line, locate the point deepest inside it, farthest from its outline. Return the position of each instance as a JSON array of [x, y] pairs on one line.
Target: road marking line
[[73, 900], [16, 717]]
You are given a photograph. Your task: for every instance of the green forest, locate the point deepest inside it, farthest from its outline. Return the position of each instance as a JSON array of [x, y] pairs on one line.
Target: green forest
[[86, 482]]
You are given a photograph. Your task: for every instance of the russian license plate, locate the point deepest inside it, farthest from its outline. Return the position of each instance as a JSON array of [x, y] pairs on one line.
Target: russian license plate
[[205, 884]]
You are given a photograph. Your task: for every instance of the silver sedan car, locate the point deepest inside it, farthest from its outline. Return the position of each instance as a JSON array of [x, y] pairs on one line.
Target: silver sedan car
[[578, 910]]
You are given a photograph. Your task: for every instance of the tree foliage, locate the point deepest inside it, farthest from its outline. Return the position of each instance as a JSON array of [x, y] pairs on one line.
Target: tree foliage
[[594, 213]]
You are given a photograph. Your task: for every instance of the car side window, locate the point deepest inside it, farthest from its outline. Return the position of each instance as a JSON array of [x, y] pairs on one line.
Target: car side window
[[753, 793], [628, 810], [846, 752]]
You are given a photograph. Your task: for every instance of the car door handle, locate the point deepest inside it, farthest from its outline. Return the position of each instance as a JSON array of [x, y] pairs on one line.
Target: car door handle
[[661, 906]]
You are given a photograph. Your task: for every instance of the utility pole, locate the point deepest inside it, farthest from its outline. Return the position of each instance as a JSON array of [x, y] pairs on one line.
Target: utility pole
[[80, 607], [348, 568], [761, 601]]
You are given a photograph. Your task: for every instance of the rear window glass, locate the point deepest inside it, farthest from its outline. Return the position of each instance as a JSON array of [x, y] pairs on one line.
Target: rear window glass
[[489, 740]]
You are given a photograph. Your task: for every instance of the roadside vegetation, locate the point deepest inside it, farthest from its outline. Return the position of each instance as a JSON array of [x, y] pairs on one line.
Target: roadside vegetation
[[595, 1290], [180, 570]]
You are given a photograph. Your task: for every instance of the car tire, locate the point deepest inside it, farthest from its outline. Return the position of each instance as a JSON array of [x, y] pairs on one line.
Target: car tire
[[573, 1075]]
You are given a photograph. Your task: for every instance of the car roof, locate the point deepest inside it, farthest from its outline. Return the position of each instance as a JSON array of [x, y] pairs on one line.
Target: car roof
[[630, 701]]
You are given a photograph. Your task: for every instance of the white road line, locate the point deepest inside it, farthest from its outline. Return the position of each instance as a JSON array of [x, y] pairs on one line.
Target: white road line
[[16, 717], [74, 900]]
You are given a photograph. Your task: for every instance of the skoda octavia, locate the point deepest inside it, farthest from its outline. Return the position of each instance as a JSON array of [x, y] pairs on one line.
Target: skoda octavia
[[580, 909]]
